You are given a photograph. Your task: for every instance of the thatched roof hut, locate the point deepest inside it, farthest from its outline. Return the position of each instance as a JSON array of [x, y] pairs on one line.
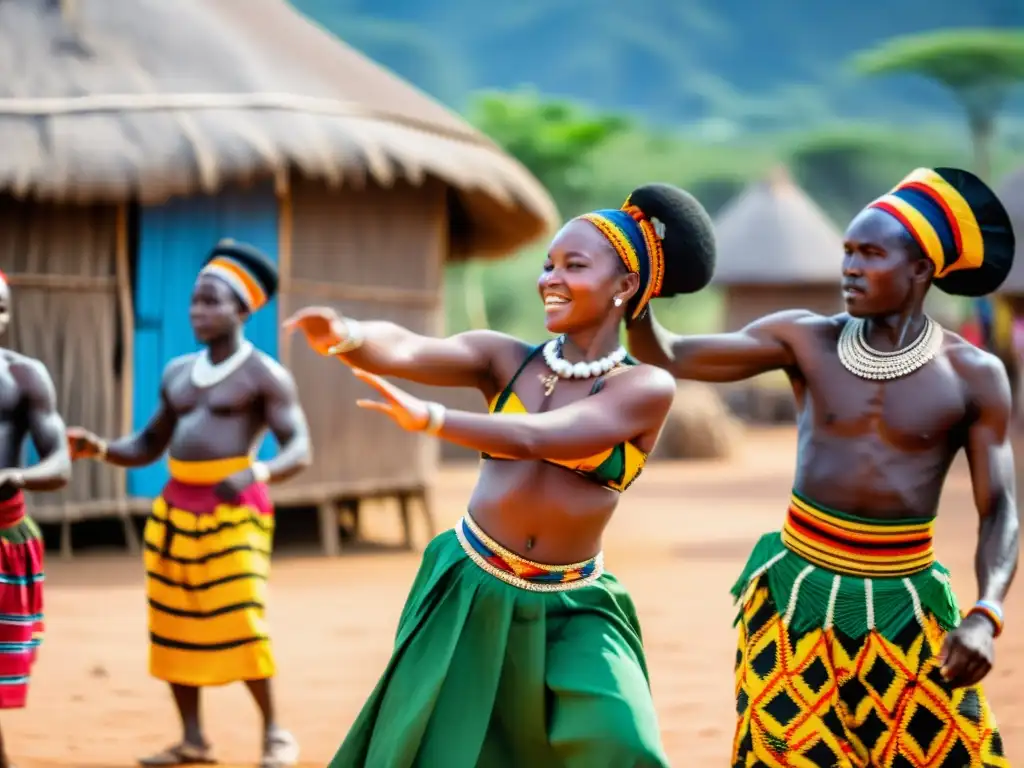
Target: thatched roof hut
[[776, 250], [106, 101], [137, 134]]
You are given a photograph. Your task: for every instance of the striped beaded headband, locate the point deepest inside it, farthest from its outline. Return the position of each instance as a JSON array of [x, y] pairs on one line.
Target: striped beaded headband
[[939, 218], [636, 238], [243, 282]]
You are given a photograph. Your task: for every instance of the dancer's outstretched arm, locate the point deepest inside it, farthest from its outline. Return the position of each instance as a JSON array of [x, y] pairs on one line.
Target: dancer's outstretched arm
[[388, 349], [141, 448], [764, 345], [631, 405]]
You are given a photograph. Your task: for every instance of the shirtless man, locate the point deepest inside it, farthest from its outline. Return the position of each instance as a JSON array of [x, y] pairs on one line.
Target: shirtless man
[[208, 541], [851, 647], [28, 408]]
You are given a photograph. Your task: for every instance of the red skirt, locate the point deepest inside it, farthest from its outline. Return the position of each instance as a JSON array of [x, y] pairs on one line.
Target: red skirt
[[21, 600]]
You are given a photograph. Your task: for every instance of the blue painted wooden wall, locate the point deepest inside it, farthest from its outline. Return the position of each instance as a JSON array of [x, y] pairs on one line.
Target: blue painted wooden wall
[[174, 240]]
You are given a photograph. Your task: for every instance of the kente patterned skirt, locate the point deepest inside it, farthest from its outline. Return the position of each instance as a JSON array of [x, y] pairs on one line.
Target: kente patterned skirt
[[841, 620], [207, 564], [21, 600], [500, 661]]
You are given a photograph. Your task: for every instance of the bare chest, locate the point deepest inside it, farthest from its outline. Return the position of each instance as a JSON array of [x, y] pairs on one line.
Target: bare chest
[[916, 411], [238, 394], [10, 394]]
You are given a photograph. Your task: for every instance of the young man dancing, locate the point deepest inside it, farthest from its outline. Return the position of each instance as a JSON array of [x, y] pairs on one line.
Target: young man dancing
[[852, 651]]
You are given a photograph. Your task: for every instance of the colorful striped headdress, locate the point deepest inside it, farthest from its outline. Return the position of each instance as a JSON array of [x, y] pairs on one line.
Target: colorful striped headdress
[[250, 274], [637, 240], [960, 226]]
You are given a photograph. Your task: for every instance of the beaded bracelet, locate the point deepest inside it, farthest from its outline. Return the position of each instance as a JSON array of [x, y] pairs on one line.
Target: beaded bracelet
[[990, 611], [435, 418], [354, 338]]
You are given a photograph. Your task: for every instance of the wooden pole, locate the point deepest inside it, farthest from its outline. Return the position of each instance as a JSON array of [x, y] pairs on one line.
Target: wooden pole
[[126, 309], [284, 266]]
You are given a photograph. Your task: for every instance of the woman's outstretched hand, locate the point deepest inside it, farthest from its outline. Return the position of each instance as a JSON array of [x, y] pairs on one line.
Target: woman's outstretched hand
[[408, 412], [322, 327]]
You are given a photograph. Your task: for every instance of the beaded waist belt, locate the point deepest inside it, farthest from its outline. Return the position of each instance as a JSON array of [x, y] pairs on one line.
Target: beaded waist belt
[[519, 572], [858, 546]]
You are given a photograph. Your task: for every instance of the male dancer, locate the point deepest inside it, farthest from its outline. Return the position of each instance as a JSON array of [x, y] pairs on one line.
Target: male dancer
[[852, 651], [28, 407], [208, 541]]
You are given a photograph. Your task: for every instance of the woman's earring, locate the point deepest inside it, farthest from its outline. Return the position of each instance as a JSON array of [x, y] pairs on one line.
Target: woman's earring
[[617, 302]]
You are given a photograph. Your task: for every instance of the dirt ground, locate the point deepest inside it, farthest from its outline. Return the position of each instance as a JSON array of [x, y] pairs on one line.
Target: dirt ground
[[678, 541]]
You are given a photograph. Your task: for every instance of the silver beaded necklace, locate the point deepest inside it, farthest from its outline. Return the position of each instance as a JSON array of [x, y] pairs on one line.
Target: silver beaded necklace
[[860, 359]]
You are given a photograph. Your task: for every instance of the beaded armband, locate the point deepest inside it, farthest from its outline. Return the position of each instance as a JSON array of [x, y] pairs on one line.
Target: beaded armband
[[990, 611], [435, 418]]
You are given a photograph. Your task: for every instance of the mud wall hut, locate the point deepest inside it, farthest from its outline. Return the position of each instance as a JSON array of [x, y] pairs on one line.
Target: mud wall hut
[[138, 134], [776, 250]]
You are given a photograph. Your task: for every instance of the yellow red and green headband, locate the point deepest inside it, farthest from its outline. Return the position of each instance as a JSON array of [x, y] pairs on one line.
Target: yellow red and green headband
[[637, 239]]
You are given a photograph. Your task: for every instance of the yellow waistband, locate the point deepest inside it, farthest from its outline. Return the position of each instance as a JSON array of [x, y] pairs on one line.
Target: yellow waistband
[[858, 546], [207, 472]]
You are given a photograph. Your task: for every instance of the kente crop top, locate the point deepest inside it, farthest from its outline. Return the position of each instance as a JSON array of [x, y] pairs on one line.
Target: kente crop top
[[615, 468]]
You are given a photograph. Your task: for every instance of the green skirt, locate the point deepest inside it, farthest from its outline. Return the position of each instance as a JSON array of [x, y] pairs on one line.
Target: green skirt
[[485, 675]]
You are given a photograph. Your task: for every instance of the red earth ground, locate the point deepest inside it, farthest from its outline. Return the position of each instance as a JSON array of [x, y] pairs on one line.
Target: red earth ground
[[678, 541]]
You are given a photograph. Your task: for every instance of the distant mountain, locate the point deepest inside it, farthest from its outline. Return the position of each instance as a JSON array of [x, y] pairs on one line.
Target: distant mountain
[[729, 64]]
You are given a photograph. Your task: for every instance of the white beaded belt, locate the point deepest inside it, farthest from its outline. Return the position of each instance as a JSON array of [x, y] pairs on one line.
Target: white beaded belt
[[523, 573]]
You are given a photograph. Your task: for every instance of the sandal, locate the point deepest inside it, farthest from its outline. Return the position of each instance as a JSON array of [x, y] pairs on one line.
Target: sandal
[[280, 749], [182, 753]]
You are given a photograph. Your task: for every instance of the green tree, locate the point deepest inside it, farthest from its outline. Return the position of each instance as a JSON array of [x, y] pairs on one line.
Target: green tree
[[843, 168], [554, 139], [979, 67]]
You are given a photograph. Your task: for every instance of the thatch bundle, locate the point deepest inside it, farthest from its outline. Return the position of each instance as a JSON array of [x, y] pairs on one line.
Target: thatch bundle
[[112, 100], [699, 426]]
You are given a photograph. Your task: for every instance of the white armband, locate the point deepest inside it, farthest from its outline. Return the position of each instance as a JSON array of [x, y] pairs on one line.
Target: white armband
[[354, 338], [435, 418], [261, 472]]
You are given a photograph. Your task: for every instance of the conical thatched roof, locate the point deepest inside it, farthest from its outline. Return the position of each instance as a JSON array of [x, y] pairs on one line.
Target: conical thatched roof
[[110, 99], [772, 233], [1011, 192]]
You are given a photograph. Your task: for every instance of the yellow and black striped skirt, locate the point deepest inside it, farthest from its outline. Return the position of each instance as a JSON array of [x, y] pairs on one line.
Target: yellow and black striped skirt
[[207, 565]]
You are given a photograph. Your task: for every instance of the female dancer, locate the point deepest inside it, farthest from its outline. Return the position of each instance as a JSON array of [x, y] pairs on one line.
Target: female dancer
[[516, 647]]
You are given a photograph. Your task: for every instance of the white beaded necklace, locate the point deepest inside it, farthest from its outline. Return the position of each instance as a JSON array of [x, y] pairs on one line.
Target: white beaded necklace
[[563, 369], [206, 374], [860, 359]]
